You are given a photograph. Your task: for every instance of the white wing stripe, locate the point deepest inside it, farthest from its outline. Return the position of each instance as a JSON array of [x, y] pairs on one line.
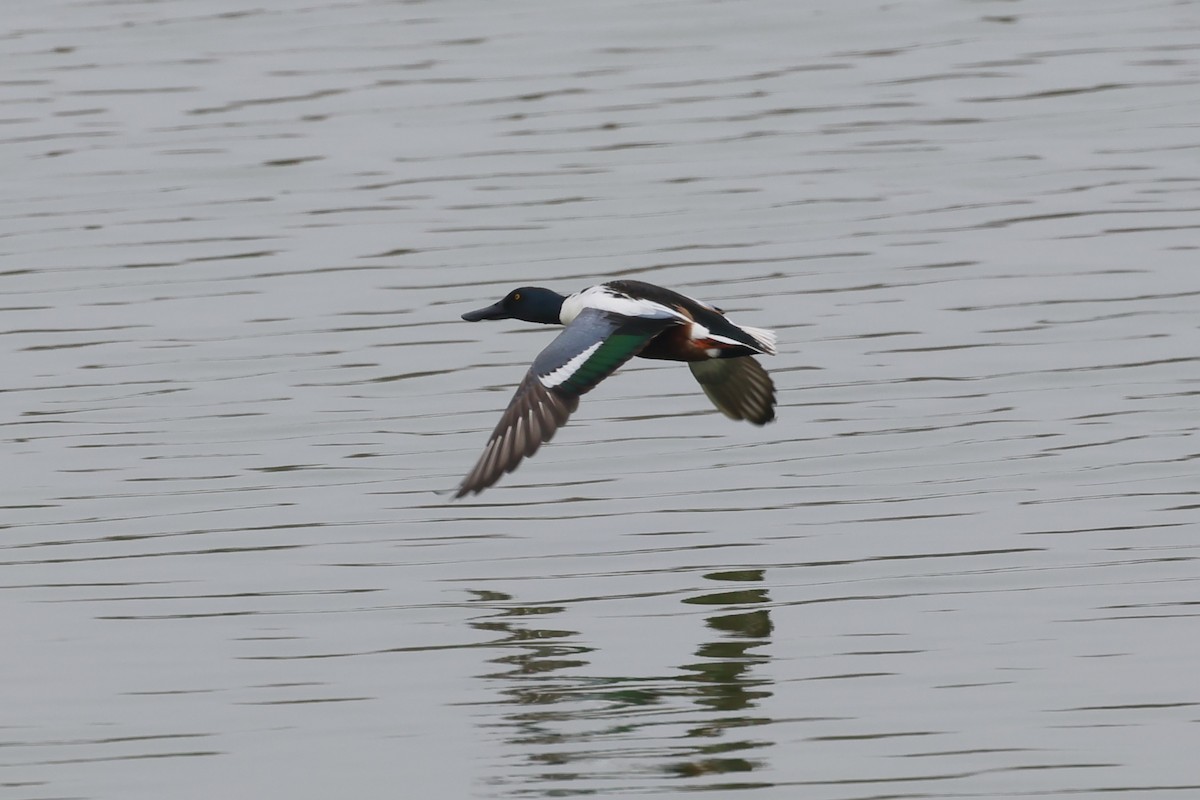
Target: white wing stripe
[[564, 373]]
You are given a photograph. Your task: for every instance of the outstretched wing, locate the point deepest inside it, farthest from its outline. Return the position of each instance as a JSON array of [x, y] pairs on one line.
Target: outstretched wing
[[739, 387], [588, 351]]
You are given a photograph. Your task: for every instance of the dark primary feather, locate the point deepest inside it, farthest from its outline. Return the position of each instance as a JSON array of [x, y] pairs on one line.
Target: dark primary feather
[[536, 411], [739, 387], [533, 417]]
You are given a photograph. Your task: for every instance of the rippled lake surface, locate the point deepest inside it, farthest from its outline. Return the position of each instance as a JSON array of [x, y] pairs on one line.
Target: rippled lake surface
[[235, 242]]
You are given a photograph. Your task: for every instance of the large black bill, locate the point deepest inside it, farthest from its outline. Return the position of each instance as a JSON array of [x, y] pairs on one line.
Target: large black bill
[[495, 311]]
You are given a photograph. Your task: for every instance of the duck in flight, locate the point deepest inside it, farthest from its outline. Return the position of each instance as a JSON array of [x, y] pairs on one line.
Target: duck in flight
[[606, 325]]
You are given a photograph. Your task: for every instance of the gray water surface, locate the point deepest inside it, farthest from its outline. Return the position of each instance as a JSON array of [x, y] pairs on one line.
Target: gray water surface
[[235, 242]]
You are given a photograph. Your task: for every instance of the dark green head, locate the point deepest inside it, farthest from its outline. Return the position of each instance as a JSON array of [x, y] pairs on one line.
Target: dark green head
[[529, 303]]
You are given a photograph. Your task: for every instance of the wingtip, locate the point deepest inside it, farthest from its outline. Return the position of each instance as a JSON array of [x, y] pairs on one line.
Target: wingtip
[[532, 418], [453, 493], [739, 387]]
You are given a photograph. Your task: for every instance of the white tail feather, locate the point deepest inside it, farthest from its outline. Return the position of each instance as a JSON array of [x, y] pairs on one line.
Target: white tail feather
[[764, 337]]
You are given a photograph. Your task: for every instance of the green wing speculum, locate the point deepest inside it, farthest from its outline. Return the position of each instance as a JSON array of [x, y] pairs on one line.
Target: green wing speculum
[[592, 347]]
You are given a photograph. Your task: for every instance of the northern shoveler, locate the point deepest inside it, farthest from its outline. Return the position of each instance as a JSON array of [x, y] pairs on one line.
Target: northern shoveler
[[606, 326]]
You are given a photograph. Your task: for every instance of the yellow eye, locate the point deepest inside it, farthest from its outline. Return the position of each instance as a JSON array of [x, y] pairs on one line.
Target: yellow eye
[[516, 296]]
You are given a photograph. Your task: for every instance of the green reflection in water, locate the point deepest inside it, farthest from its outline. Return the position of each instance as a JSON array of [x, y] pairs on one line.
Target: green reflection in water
[[568, 732]]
